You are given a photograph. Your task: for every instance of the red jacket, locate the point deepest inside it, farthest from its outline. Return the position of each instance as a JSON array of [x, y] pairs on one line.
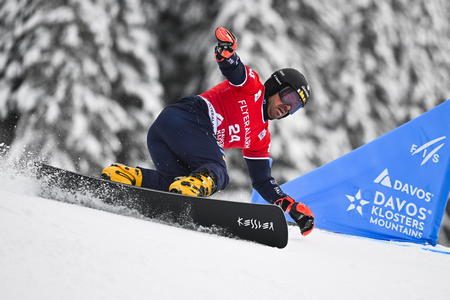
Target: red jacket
[[236, 112]]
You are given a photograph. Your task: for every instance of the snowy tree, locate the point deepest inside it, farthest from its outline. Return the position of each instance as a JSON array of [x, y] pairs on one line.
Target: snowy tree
[[372, 65], [186, 39], [80, 80]]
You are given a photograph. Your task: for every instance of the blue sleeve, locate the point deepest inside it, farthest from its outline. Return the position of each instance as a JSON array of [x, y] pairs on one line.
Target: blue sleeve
[[233, 69], [262, 181]]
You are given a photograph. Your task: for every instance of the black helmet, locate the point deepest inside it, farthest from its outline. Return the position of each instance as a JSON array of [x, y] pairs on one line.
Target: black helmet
[[288, 77]]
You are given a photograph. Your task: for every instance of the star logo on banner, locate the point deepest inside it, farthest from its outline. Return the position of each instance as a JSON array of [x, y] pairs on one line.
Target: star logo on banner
[[356, 202]]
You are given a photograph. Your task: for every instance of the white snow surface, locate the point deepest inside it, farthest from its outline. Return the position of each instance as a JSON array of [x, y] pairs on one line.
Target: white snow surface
[[56, 250]]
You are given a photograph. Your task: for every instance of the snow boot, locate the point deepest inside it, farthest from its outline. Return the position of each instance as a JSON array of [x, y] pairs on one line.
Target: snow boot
[[123, 174], [197, 184]]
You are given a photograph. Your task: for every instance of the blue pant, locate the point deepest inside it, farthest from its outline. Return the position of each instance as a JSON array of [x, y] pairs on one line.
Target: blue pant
[[180, 141]]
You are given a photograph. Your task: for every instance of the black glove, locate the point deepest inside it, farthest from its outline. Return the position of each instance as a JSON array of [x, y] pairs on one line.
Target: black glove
[[226, 43], [301, 213]]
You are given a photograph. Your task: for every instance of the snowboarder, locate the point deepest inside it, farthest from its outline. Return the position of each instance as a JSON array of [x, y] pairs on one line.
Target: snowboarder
[[187, 139]]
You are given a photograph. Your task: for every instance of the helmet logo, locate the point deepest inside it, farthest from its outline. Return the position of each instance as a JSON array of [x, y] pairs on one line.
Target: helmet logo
[[303, 92], [307, 90], [276, 78], [302, 95]]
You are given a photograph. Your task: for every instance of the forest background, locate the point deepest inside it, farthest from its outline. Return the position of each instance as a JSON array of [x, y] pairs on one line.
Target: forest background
[[82, 80]]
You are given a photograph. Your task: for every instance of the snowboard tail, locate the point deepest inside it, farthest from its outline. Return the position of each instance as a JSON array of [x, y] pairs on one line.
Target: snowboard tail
[[260, 223]]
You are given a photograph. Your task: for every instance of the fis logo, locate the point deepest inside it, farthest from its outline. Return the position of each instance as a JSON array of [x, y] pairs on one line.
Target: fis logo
[[250, 72], [428, 150]]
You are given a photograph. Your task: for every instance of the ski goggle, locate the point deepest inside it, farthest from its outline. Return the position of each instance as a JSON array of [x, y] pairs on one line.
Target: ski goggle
[[292, 98]]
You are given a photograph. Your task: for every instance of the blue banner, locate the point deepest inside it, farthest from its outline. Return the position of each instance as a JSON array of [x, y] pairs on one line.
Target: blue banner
[[393, 188]]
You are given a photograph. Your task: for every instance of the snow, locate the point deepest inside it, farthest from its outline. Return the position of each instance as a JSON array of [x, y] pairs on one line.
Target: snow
[[55, 250]]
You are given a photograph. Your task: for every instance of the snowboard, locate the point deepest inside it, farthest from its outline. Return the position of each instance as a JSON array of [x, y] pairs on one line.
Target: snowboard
[[259, 223]]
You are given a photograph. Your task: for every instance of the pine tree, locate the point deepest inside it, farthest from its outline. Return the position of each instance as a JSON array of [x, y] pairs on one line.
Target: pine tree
[[372, 66], [81, 78], [185, 36]]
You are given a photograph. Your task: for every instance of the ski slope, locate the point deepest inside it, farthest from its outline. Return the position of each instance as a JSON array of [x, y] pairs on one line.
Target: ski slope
[[55, 250]]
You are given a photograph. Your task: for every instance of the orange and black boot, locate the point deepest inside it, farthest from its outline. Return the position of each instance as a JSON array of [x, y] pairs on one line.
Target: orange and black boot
[[123, 174], [198, 184]]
